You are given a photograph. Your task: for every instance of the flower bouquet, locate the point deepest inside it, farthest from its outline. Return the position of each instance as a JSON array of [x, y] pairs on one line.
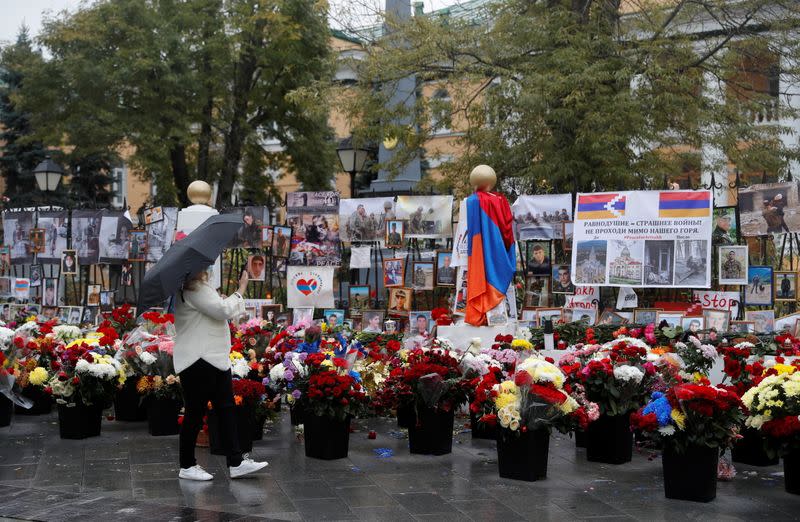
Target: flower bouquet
[[696, 356], [283, 378], [474, 367], [693, 421], [158, 386], [254, 335], [774, 409], [36, 348], [84, 382]]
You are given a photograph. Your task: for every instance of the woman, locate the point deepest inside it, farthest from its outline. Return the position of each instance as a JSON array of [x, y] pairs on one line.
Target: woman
[[373, 324], [201, 358]]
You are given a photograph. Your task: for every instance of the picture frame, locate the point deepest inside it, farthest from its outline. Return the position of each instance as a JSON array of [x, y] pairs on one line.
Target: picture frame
[[693, 324], [37, 237], [725, 227], [303, 314], [645, 316], [36, 275], [284, 318], [393, 272], [372, 321], [63, 314], [137, 247], [257, 267], [69, 262], [539, 255], [445, 273], [718, 320], [328, 314], [763, 320], [400, 300], [581, 314], [281, 241], [395, 233], [92, 295], [760, 280], [530, 315], [785, 286], [537, 291], [611, 318], [153, 215], [561, 280], [543, 314], [50, 292], [107, 300], [5, 258], [358, 298], [269, 312], [568, 235], [673, 319], [420, 320], [423, 275], [75, 315], [743, 327], [89, 314], [266, 237], [732, 264]]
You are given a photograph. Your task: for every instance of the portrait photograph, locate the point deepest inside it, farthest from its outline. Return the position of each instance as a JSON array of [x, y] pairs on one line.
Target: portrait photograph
[[743, 327], [785, 286], [106, 301], [89, 315], [75, 314], [303, 315], [37, 240], [114, 237], [36, 276], [281, 241], [420, 323], [763, 320], [49, 312], [5, 259], [732, 264], [422, 275], [590, 264], [315, 240], [426, 216], [693, 325], [569, 236], [333, 317], [445, 273], [372, 321], [758, 291], [562, 280], [270, 312], [659, 263], [539, 258], [400, 300], [92, 295], [250, 234], [50, 292], [69, 262], [691, 267], [537, 291], [364, 219], [138, 246], [626, 262], [541, 216], [718, 320], [393, 272], [256, 267], [358, 296], [395, 234], [645, 316], [611, 318], [266, 237], [726, 229], [63, 314], [545, 314], [672, 319]]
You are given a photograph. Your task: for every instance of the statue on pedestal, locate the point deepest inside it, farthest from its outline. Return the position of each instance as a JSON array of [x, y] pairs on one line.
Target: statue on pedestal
[[491, 248]]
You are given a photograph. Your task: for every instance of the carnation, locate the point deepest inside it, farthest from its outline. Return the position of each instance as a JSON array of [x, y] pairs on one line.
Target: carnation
[[67, 333], [6, 334], [628, 373]]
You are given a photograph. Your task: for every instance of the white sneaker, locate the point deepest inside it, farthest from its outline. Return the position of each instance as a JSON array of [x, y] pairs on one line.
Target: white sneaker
[[248, 465], [195, 473]]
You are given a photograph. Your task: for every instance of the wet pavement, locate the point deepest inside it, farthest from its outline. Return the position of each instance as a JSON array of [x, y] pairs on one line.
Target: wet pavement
[[126, 474]]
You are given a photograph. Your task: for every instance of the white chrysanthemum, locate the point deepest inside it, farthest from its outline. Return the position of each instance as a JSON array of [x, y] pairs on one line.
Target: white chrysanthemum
[[240, 368], [276, 373], [147, 358], [30, 328], [6, 335], [628, 373], [708, 351], [67, 332], [667, 430], [542, 371]]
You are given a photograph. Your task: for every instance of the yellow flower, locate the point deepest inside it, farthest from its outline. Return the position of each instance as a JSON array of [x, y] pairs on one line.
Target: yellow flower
[[31, 319], [38, 376], [327, 363], [143, 385], [679, 418], [697, 376], [236, 355], [784, 368], [521, 344]]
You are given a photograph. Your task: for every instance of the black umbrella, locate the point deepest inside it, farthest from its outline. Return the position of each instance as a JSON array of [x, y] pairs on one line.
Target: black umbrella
[[187, 257]]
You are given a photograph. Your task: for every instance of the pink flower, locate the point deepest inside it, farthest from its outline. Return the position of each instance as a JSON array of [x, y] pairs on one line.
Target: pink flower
[[166, 346]]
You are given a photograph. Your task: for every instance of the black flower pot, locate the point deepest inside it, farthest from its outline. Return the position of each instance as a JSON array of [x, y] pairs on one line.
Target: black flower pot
[[79, 421], [296, 413], [609, 440], [523, 456], [244, 430], [750, 450], [42, 401], [791, 472], [406, 416], [326, 438], [6, 409], [162, 416], [691, 475], [481, 430], [128, 403], [580, 439], [432, 433]]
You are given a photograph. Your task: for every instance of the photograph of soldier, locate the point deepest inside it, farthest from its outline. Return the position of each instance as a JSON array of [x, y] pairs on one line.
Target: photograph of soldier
[[359, 298], [542, 216], [445, 274], [562, 281], [395, 234], [364, 219], [399, 300], [37, 240], [138, 245], [759, 286], [732, 262], [785, 286], [426, 216], [281, 241], [422, 275], [724, 233]]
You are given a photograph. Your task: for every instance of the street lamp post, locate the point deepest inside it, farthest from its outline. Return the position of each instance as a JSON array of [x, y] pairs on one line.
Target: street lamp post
[[352, 159], [48, 175]]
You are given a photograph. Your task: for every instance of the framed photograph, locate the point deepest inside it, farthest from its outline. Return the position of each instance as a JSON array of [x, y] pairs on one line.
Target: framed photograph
[[763, 320], [270, 312], [333, 316], [759, 286], [742, 327], [5, 259], [400, 300], [785, 286], [544, 314], [303, 315], [460, 307], [256, 267], [281, 241], [69, 262], [36, 275], [588, 316], [445, 274], [497, 316], [718, 320], [50, 293], [137, 249], [539, 254], [126, 274], [645, 316], [726, 227], [786, 323], [692, 325], [420, 323], [75, 314], [372, 321], [569, 235], [63, 314], [732, 261], [89, 314], [673, 319], [283, 319], [106, 301], [250, 312], [541, 216], [266, 237], [37, 240], [153, 215], [395, 233], [537, 291], [49, 312], [422, 275], [529, 315], [611, 318], [393, 272], [562, 280], [359, 298], [92, 295]]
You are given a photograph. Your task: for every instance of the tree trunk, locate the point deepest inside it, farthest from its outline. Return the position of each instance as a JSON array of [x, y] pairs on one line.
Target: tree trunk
[[204, 141], [180, 172]]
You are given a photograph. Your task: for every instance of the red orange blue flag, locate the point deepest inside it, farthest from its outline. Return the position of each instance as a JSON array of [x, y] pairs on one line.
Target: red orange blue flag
[[601, 206], [492, 254], [682, 204]]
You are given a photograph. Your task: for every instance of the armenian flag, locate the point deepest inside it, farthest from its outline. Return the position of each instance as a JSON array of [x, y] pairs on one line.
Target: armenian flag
[[684, 204], [601, 206], [492, 254]]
